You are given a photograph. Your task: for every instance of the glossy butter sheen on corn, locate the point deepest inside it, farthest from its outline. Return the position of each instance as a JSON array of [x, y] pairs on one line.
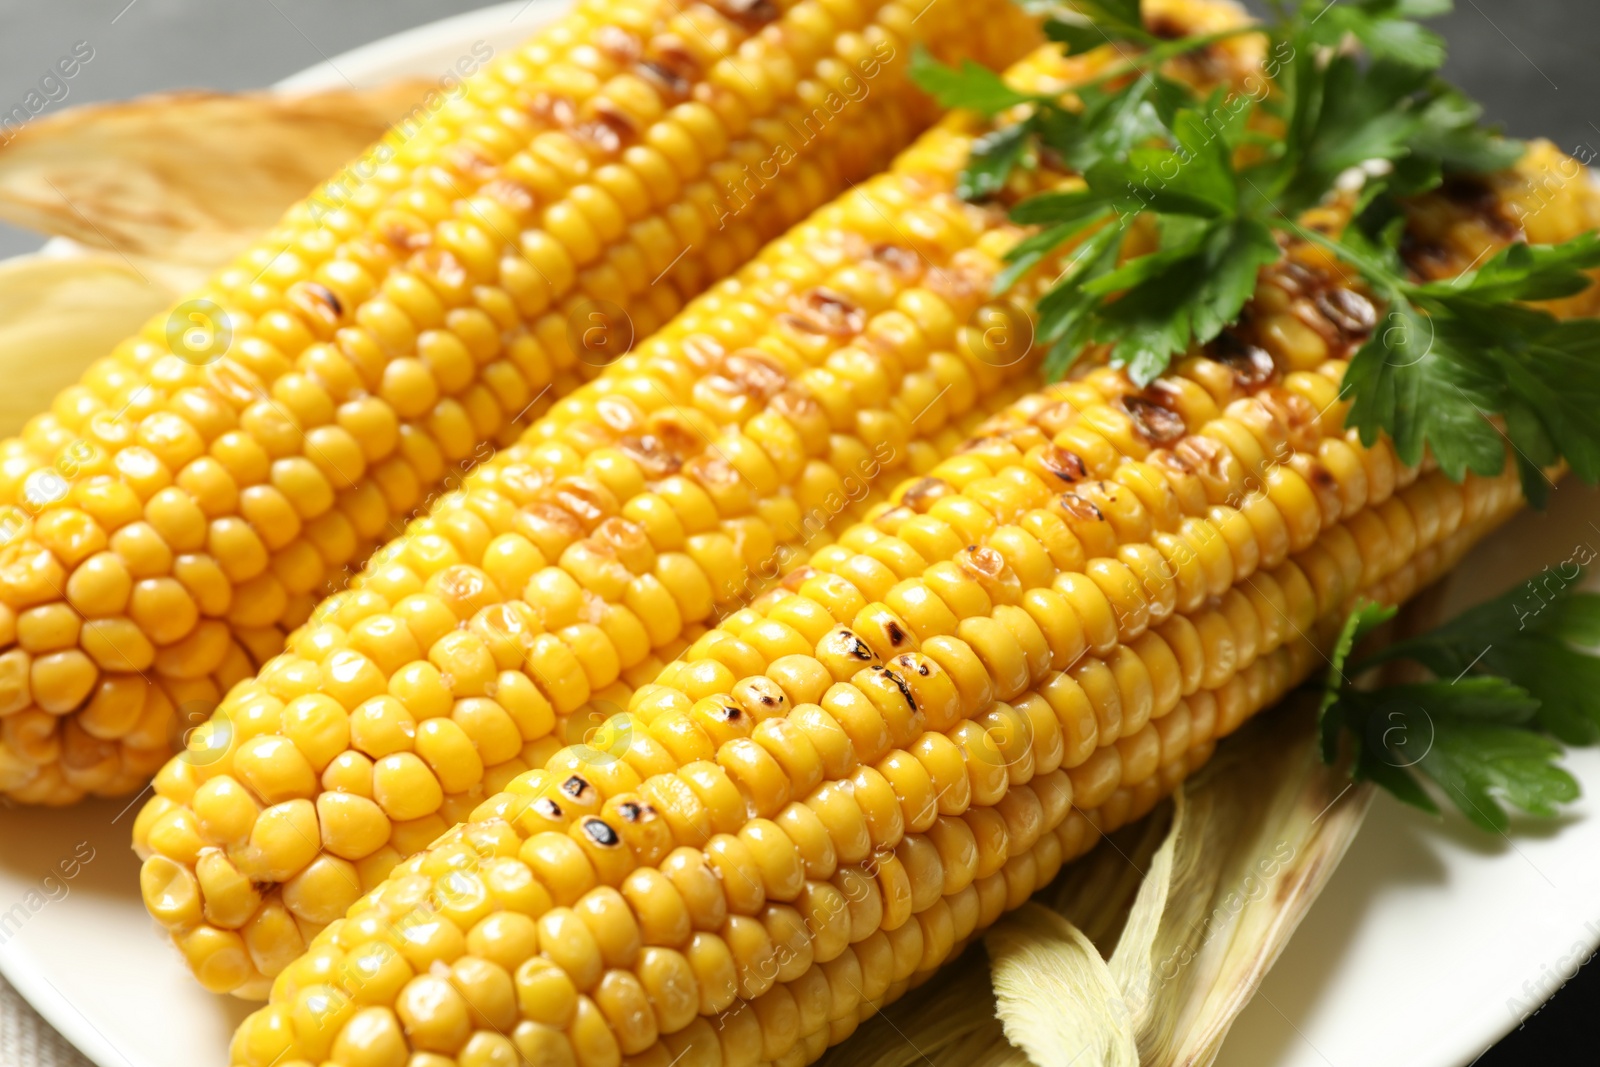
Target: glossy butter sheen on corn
[[174, 515]]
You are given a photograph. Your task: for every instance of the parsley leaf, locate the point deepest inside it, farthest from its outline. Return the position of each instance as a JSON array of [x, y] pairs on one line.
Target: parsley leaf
[[1092, 23], [1452, 352], [1366, 617], [971, 86], [994, 156], [1384, 27], [1507, 673], [1530, 635], [1524, 272], [1418, 384]]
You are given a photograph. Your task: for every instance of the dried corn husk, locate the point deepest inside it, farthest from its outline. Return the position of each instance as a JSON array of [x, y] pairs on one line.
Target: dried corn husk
[[188, 177], [46, 339], [1198, 909]]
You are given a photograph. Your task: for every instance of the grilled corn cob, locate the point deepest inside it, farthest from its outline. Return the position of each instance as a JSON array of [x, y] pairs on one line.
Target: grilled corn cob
[[174, 515]]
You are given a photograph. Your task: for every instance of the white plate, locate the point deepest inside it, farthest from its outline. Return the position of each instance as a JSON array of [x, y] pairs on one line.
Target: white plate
[[1410, 959]]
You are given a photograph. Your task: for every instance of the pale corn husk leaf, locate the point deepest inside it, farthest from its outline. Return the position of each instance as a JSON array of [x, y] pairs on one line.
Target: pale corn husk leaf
[[1254, 841], [1057, 1000], [187, 177], [57, 315]]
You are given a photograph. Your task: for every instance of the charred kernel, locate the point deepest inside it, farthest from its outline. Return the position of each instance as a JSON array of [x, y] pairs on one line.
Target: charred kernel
[[1157, 424], [600, 832]]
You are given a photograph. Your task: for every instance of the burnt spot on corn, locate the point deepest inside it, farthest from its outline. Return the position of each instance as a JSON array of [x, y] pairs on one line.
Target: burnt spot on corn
[[1479, 200], [672, 83], [655, 457], [1427, 258], [671, 67], [548, 808], [849, 644], [921, 494], [749, 372], [1252, 365], [618, 44], [730, 713], [551, 110], [631, 811], [916, 664], [1076, 507], [760, 691], [407, 235], [577, 787], [600, 832], [824, 312], [555, 519], [982, 561], [317, 301], [1214, 465], [1352, 313], [1294, 278], [905, 263], [580, 500], [751, 14], [894, 633], [900, 684], [713, 472], [608, 129], [1156, 424], [1321, 477], [1301, 421]]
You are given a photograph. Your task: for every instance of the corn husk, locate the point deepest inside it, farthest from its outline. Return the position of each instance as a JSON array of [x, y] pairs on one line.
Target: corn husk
[[45, 335], [1194, 908], [187, 177], [153, 194]]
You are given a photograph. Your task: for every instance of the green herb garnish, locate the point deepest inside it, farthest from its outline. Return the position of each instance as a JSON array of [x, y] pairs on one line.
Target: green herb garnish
[[1509, 685], [1218, 193]]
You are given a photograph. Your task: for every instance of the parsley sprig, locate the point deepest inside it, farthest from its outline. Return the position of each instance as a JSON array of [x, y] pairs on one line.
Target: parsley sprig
[[1200, 167], [1508, 687]]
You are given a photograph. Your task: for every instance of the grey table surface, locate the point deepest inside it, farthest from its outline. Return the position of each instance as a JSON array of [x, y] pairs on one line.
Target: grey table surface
[[1531, 62]]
